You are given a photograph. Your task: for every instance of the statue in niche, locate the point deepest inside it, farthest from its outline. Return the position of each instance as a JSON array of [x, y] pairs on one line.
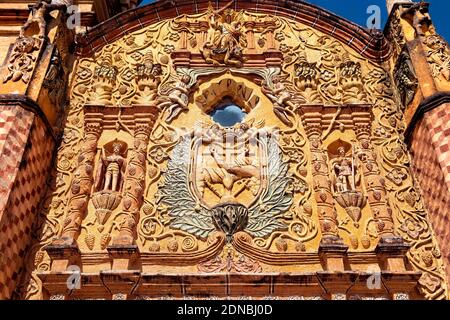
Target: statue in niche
[[52, 81], [111, 168], [228, 39], [281, 98], [344, 169], [346, 180], [41, 11], [177, 100]]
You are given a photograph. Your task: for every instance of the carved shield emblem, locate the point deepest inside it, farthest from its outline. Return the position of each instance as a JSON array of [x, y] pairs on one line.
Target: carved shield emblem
[[231, 179]]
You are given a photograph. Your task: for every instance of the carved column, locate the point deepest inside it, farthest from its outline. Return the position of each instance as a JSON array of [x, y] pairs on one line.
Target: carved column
[[377, 195], [391, 248], [81, 185], [249, 26], [322, 186], [184, 31], [134, 185]]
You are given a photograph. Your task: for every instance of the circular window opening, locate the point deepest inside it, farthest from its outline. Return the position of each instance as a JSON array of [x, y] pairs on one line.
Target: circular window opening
[[227, 113]]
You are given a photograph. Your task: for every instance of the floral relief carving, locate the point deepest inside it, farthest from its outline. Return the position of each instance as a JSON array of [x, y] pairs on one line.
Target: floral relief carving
[[276, 199]]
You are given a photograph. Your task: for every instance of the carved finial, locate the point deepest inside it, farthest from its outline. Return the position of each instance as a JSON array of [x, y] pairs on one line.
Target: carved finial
[[148, 58], [346, 58], [390, 3], [302, 57]]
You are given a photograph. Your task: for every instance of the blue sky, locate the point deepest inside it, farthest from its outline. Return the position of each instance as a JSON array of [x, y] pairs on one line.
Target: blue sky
[[355, 10]]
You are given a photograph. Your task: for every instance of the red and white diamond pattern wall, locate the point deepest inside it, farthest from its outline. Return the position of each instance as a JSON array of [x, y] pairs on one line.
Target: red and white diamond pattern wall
[[26, 153]]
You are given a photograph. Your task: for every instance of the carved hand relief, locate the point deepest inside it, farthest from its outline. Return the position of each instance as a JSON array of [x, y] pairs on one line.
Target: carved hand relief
[[256, 196]]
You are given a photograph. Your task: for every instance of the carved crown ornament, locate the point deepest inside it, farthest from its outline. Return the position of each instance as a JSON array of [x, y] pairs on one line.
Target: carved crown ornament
[[313, 173]]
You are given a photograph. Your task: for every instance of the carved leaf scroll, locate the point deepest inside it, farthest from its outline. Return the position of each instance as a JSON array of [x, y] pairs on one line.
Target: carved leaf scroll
[[187, 216], [262, 219]]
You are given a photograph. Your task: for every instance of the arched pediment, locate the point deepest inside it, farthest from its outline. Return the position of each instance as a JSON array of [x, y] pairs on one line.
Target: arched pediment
[[371, 45]]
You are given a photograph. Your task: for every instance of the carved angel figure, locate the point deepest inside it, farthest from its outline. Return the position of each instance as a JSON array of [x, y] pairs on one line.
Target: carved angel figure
[[111, 168], [281, 98], [178, 98], [41, 11]]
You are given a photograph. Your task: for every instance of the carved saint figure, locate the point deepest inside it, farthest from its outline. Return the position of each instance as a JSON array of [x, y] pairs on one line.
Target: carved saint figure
[[228, 40], [344, 170], [178, 98], [111, 169], [52, 80], [232, 158], [41, 12]]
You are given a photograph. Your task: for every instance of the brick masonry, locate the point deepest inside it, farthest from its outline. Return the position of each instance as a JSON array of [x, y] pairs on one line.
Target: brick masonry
[[431, 165], [26, 150]]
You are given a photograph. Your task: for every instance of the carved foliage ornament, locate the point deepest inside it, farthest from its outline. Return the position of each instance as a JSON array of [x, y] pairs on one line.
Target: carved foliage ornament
[[263, 180], [438, 56], [21, 62], [405, 78]]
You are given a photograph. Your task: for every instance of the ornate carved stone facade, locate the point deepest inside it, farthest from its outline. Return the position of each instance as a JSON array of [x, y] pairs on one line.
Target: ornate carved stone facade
[[309, 195]]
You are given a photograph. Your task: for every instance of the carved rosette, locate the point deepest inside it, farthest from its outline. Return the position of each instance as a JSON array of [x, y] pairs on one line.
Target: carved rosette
[[322, 185], [134, 185], [81, 184]]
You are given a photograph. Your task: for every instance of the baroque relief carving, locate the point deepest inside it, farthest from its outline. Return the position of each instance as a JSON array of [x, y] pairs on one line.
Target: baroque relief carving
[[22, 60], [405, 79], [228, 40], [438, 56], [266, 192], [233, 169]]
